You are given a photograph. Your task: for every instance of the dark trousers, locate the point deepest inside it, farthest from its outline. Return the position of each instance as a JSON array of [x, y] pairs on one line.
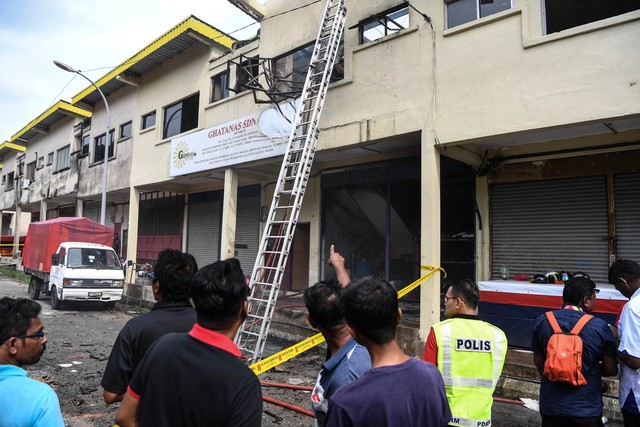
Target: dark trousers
[[630, 419], [548, 421]]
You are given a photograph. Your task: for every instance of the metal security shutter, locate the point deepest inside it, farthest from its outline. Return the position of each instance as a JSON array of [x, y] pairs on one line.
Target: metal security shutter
[[203, 230], [553, 225], [247, 232], [627, 204]]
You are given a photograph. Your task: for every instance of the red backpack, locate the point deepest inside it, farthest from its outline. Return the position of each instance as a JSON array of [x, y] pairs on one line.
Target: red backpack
[[564, 353]]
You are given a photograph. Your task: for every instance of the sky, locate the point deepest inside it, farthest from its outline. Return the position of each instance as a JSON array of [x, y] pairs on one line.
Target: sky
[[92, 36]]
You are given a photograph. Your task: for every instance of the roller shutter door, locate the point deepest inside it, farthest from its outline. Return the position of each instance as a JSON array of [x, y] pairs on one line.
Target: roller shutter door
[[627, 205], [203, 231], [247, 232], [552, 225]]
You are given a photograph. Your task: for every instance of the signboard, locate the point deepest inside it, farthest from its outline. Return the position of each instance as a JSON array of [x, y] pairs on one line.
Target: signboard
[[258, 136]]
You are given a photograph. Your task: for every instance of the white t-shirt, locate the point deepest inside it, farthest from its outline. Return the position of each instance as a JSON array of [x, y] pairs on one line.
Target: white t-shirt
[[629, 333]]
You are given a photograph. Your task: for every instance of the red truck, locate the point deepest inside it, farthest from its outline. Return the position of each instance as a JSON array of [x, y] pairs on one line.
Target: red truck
[[70, 258]]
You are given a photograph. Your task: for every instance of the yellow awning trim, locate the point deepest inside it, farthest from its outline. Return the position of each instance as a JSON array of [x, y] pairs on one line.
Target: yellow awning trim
[[62, 106], [190, 24]]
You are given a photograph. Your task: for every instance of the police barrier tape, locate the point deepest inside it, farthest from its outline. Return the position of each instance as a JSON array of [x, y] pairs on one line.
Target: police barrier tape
[[299, 348]]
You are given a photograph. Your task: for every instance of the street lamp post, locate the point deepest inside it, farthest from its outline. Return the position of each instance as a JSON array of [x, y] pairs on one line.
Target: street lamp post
[[103, 206]]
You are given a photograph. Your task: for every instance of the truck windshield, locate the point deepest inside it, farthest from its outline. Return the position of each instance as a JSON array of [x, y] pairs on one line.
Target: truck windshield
[[92, 258]]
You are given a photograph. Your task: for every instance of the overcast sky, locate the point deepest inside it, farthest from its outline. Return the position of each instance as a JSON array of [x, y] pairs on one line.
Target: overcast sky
[[87, 35]]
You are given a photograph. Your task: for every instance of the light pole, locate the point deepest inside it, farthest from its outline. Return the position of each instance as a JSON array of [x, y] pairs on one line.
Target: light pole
[[103, 206]]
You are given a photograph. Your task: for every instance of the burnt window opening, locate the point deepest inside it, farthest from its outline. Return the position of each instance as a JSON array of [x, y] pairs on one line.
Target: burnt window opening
[[564, 14]]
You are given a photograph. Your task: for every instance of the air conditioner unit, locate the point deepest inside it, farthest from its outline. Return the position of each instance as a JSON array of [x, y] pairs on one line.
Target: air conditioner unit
[[25, 184]]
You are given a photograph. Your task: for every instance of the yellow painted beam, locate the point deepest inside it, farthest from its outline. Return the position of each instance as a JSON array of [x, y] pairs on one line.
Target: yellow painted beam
[[190, 24], [12, 146], [62, 106]]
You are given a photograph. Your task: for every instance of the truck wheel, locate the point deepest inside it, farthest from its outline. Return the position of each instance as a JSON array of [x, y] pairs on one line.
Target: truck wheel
[[34, 288], [56, 304]]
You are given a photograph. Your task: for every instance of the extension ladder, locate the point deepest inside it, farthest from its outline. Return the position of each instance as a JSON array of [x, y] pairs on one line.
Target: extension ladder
[[292, 182]]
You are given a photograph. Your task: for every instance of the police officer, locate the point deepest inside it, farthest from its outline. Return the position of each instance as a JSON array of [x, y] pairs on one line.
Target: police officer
[[469, 353]]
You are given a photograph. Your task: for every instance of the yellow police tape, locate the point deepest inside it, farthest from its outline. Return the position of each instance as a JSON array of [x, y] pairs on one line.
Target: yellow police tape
[[299, 348]]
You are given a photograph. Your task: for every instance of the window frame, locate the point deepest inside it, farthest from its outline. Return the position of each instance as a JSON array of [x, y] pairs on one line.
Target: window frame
[[222, 86], [147, 117], [247, 70], [383, 19], [98, 147], [10, 184], [123, 126], [30, 171], [50, 158], [478, 11], [181, 110], [63, 161]]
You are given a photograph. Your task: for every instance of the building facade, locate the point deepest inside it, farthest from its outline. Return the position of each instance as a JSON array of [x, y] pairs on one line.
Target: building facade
[[480, 137]]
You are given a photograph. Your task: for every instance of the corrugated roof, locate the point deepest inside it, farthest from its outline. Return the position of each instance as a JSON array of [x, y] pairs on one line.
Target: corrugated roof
[[10, 146], [50, 116], [187, 33]]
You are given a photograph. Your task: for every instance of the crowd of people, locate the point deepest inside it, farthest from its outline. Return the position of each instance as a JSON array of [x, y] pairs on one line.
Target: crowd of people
[[177, 365]]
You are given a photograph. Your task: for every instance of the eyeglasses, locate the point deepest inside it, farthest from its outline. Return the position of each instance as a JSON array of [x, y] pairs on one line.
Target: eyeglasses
[[446, 298], [38, 335]]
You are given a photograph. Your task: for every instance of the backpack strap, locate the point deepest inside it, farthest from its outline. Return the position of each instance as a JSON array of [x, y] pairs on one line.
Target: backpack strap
[[554, 323], [580, 324]]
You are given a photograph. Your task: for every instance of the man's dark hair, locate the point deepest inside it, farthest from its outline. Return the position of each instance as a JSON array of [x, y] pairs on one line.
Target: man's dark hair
[[467, 290], [624, 268], [218, 292], [15, 316], [371, 306], [323, 303], [576, 289], [174, 271]]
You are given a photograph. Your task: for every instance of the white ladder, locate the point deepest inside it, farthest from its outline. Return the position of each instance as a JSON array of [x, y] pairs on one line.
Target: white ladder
[[292, 182]]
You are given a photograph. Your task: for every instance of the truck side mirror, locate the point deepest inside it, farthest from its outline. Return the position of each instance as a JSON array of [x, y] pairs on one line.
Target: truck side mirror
[[54, 259]]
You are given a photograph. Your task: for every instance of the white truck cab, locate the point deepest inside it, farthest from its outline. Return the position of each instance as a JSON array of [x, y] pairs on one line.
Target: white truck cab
[[85, 272]]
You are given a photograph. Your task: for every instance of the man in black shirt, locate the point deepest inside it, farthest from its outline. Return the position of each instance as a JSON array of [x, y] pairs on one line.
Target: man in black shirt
[[172, 312], [196, 379]]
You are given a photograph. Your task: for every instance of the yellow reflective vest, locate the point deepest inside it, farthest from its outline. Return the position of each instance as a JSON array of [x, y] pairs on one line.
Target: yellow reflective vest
[[471, 355]]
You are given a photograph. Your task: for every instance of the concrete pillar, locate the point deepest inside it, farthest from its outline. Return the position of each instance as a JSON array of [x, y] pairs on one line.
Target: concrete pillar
[[132, 238], [185, 223], [16, 231], [43, 210], [229, 214], [430, 233], [483, 261], [79, 207]]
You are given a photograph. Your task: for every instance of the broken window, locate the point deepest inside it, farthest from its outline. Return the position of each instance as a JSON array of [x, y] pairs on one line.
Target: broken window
[[220, 86], [383, 24], [9, 182], [85, 145], [181, 116], [563, 14], [98, 147], [462, 11], [246, 73], [291, 69]]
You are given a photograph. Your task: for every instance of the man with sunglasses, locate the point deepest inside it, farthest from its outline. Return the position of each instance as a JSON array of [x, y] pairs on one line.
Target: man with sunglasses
[[24, 402], [469, 353], [562, 404]]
